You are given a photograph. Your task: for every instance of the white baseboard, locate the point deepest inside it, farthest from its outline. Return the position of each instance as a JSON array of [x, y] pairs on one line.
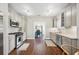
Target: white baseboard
[[47, 38], [30, 38], [34, 38]]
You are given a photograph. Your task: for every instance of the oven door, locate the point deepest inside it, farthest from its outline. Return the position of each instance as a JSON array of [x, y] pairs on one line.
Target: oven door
[[19, 41]]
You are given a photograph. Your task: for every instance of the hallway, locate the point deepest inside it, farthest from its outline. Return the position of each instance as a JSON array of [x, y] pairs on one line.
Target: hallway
[[38, 47]]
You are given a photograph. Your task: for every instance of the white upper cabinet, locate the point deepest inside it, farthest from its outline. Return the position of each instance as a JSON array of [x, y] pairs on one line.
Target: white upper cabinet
[[1, 24], [1, 20], [70, 16], [67, 17], [73, 15], [55, 21], [62, 19]]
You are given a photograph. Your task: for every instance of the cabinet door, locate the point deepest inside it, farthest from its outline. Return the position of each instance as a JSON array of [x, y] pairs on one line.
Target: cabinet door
[[62, 19], [55, 22], [53, 37], [66, 42], [24, 36], [68, 17], [74, 46], [74, 15], [11, 42]]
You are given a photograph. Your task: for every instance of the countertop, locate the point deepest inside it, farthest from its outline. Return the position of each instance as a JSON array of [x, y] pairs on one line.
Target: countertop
[[68, 35], [71, 36]]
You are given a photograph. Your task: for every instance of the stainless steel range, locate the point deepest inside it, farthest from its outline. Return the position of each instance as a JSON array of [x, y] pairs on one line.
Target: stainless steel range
[[18, 39]]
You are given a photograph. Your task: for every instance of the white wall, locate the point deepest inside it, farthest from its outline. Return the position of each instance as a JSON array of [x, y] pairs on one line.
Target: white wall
[[78, 24], [41, 19], [4, 10], [59, 21], [16, 17]]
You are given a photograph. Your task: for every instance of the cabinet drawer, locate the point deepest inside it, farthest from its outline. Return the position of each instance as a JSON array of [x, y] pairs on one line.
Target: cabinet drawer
[[69, 44], [66, 41], [53, 36], [11, 42]]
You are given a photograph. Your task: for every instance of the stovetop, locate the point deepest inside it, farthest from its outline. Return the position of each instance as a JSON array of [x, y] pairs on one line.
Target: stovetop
[[16, 33]]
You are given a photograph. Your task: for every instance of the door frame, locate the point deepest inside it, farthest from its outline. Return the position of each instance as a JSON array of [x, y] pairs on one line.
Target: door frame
[[40, 24]]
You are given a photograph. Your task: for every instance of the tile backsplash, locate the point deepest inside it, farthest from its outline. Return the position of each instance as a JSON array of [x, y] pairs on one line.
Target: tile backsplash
[[71, 31]]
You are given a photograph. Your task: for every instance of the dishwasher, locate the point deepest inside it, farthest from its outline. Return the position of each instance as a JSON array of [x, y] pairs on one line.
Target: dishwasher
[[58, 40]]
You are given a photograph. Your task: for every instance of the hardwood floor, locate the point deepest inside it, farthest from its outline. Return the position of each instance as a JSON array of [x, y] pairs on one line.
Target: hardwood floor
[[1, 52], [38, 47]]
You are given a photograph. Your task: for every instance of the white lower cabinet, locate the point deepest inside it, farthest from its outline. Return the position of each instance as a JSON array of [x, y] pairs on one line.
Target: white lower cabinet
[[11, 42], [53, 37], [70, 45], [24, 36]]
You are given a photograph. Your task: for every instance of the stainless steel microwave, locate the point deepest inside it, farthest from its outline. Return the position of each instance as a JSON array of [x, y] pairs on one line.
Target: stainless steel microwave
[[14, 24]]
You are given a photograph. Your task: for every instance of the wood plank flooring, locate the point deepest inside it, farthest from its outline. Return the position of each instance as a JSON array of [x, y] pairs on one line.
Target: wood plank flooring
[[38, 47], [1, 52]]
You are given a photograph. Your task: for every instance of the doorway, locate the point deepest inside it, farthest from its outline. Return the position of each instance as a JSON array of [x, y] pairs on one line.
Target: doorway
[[39, 30]]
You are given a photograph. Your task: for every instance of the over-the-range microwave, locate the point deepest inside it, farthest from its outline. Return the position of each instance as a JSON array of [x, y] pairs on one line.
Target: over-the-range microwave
[[14, 24]]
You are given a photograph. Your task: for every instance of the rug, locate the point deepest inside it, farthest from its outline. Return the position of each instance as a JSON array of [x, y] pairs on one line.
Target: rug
[[49, 43], [24, 46]]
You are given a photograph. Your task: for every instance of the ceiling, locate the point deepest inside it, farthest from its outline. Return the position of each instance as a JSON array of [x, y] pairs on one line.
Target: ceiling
[[38, 9]]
